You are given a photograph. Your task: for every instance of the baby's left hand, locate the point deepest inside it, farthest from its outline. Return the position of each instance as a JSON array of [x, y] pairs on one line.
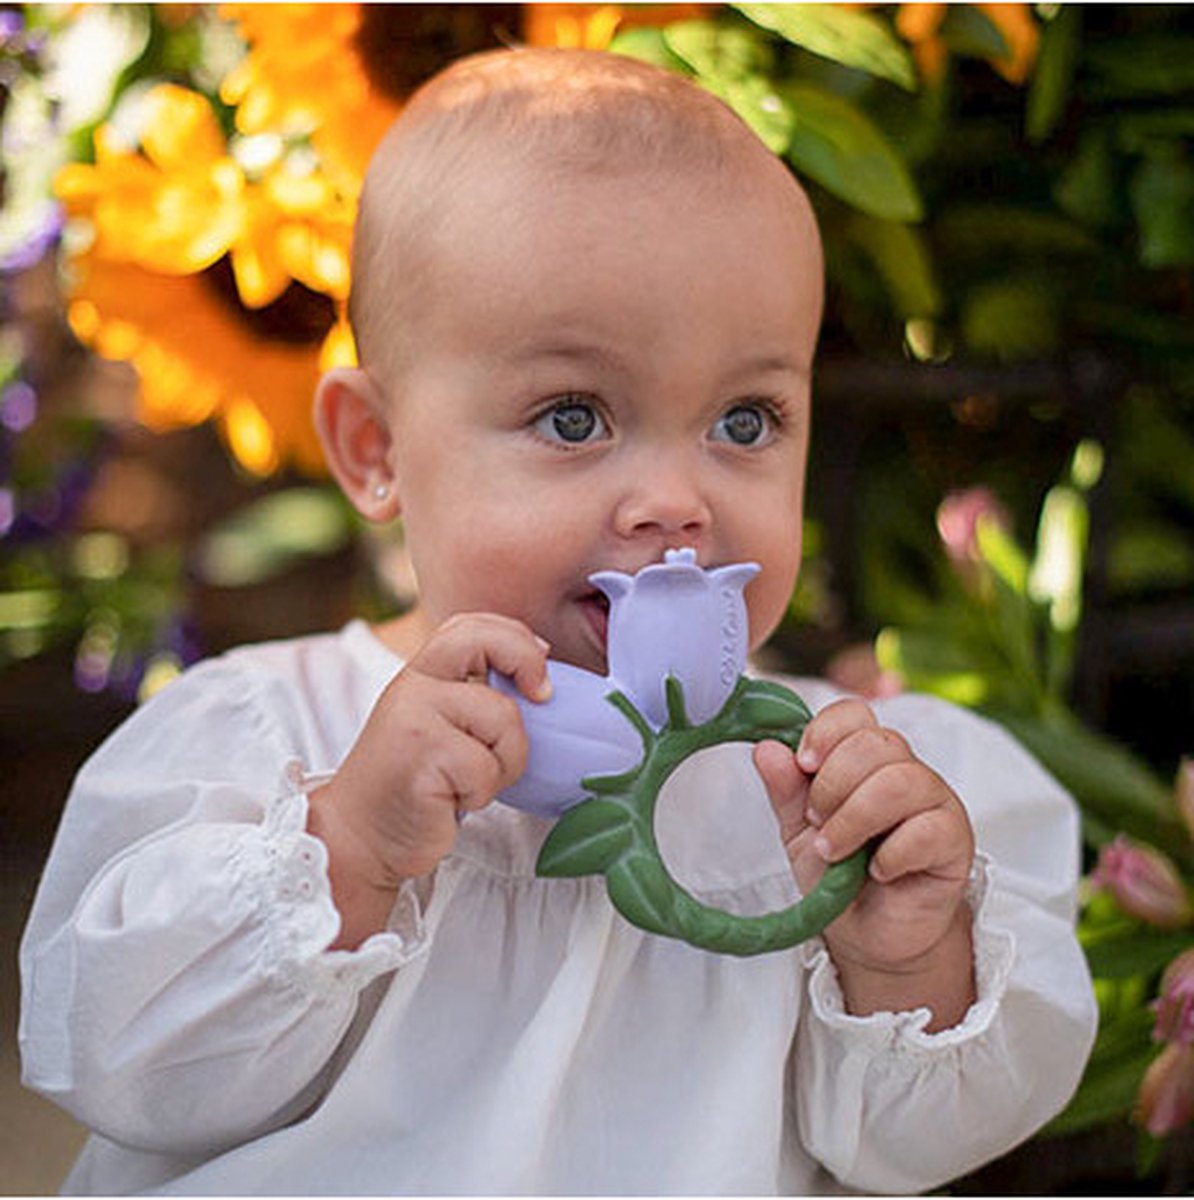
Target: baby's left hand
[[851, 782]]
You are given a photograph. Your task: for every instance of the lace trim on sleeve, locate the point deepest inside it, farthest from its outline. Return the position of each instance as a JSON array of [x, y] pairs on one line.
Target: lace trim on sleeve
[[283, 874], [904, 1032]]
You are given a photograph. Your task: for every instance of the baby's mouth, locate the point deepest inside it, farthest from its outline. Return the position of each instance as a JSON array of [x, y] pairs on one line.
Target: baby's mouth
[[595, 606]]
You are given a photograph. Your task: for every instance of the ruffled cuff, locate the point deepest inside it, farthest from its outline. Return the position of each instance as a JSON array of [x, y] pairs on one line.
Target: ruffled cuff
[[904, 1032], [283, 873]]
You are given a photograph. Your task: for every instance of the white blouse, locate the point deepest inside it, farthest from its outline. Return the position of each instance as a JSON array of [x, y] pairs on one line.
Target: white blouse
[[507, 1034]]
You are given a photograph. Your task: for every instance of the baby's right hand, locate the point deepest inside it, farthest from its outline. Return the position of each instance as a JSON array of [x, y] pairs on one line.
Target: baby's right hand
[[439, 743]]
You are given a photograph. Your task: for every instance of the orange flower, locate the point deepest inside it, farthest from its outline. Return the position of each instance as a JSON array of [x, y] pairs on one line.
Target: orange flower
[[163, 216], [198, 360], [302, 75], [1019, 29], [920, 26], [178, 205], [592, 26]]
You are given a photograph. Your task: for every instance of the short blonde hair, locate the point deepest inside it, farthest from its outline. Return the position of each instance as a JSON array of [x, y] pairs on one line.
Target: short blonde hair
[[562, 111]]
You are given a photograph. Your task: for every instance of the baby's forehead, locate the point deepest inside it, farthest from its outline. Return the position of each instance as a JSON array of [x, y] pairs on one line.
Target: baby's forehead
[[510, 121]]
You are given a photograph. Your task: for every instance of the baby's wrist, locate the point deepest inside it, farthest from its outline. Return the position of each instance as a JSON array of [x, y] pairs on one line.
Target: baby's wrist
[[940, 978], [363, 888]]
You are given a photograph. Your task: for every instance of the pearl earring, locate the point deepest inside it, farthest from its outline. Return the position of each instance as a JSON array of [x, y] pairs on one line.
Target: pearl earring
[[381, 491]]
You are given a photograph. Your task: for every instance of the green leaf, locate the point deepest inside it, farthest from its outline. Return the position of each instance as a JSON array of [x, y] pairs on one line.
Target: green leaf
[[997, 230], [764, 109], [1162, 193], [1144, 64], [901, 256], [1053, 78], [1088, 189], [1149, 555], [718, 53], [641, 891], [1000, 551], [585, 840], [765, 705], [1107, 1092], [1103, 776], [968, 30], [1013, 318], [647, 44], [266, 538], [1147, 132], [836, 144], [841, 34], [1139, 952]]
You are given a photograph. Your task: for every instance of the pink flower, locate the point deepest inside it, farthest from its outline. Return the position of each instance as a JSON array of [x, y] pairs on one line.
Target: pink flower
[[1145, 883], [1183, 793], [1175, 1007], [958, 516], [1166, 1099]]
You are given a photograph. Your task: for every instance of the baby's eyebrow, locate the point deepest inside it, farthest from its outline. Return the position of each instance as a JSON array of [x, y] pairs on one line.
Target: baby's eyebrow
[[772, 364], [565, 349]]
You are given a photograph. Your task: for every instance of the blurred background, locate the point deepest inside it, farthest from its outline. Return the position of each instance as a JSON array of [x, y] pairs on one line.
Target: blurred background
[[1001, 505]]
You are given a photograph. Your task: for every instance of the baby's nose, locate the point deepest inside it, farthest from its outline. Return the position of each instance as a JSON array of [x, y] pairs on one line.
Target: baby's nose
[[665, 499]]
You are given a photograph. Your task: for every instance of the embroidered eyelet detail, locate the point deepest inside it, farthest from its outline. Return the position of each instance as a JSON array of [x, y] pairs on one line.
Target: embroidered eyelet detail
[[281, 877]]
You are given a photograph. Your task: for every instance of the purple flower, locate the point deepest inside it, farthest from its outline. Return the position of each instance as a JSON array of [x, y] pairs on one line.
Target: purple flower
[[671, 618], [11, 24], [674, 618], [34, 242]]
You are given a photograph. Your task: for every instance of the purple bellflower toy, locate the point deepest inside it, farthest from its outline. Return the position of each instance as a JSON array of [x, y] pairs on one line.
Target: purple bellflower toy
[[602, 747]]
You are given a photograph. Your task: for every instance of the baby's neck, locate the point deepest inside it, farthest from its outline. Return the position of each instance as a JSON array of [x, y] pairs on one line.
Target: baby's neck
[[404, 635]]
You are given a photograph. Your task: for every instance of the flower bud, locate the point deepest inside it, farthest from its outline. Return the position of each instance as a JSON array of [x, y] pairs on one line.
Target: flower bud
[[1144, 882], [1165, 1102], [958, 516], [1175, 1006], [1183, 793]]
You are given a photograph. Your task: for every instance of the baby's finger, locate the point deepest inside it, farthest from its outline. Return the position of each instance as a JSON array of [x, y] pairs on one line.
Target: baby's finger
[[495, 724], [891, 795], [858, 755], [470, 645], [936, 842], [786, 784], [470, 773], [830, 726]]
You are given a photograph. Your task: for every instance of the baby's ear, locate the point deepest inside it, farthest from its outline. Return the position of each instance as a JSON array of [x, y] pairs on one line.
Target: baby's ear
[[351, 422]]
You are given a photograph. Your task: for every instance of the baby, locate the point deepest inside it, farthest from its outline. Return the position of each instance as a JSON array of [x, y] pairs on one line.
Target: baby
[[287, 942]]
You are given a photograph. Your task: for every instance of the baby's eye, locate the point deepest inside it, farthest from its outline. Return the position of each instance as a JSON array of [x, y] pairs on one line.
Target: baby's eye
[[572, 421], [744, 425]]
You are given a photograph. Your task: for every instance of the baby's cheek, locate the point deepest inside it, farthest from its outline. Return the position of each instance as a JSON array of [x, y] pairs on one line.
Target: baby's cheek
[[766, 602]]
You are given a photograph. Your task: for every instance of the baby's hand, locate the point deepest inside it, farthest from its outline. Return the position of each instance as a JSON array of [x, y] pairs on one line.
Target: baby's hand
[[439, 743], [905, 939]]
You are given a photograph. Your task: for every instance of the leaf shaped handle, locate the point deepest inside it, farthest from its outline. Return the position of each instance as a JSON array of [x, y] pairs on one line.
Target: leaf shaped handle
[[613, 833]]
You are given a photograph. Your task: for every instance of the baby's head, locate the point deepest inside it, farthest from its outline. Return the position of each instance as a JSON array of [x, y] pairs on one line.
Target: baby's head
[[586, 299]]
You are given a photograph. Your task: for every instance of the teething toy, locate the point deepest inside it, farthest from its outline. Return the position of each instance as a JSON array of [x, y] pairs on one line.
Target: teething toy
[[602, 747]]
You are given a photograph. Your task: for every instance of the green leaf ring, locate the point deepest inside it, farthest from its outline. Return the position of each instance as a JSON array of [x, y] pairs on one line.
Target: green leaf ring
[[613, 831]]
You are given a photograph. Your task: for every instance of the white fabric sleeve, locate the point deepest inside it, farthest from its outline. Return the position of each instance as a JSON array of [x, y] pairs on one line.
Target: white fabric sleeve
[[179, 995], [884, 1105]]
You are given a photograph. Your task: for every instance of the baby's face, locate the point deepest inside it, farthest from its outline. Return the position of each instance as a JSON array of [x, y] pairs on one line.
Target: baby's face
[[605, 368]]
